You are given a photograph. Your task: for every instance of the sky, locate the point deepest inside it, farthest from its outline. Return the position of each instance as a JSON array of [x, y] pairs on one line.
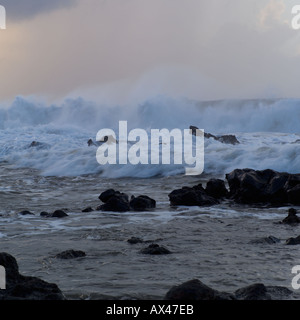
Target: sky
[[125, 50]]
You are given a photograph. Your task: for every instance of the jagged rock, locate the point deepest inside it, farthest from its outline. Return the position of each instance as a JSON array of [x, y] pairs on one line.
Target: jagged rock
[[70, 254], [19, 287], [114, 201], [194, 196], [227, 139], [155, 249], [249, 186], [196, 290]]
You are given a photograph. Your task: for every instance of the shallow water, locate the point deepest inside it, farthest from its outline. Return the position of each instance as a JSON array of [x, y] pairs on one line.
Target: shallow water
[[212, 244]]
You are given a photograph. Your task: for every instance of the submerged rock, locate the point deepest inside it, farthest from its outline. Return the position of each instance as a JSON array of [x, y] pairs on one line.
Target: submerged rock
[[259, 291], [292, 217], [55, 214], [155, 249], [293, 241], [135, 240], [26, 213], [70, 254], [196, 290], [191, 196], [266, 240], [19, 287], [39, 145], [88, 209]]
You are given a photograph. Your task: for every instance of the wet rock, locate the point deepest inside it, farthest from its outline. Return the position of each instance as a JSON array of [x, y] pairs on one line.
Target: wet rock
[[88, 209], [249, 186], [135, 240], [26, 213], [293, 241], [227, 139], [259, 291], [155, 249], [196, 290], [142, 203], [70, 254], [19, 287], [116, 203], [55, 214], [194, 196], [216, 188], [119, 202], [292, 217], [266, 240]]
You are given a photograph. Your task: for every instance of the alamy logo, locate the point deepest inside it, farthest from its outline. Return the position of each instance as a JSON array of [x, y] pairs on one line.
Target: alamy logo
[[2, 18], [137, 147], [296, 18], [2, 278]]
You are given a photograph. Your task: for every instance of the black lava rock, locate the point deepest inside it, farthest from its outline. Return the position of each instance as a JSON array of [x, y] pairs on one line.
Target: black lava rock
[[142, 203], [196, 290], [19, 287], [194, 196]]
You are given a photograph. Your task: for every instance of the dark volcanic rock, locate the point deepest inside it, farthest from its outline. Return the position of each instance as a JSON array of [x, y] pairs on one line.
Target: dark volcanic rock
[[155, 249], [55, 214], [216, 188], [26, 213], [195, 196], [59, 214], [196, 290], [119, 202], [114, 201], [88, 209], [70, 254], [292, 217], [227, 139], [141, 203], [19, 287], [259, 291], [293, 241], [249, 186], [135, 240]]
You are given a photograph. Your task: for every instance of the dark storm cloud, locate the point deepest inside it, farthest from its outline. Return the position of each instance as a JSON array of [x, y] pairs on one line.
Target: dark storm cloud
[[26, 9]]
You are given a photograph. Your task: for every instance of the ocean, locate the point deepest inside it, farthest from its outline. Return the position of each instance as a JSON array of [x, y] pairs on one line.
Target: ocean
[[219, 245]]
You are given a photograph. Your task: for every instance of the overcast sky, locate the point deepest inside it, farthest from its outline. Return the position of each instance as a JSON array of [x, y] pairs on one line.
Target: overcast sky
[[132, 49]]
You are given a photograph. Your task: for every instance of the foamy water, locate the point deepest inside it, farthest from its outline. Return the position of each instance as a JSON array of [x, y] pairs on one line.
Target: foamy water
[[268, 131]]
